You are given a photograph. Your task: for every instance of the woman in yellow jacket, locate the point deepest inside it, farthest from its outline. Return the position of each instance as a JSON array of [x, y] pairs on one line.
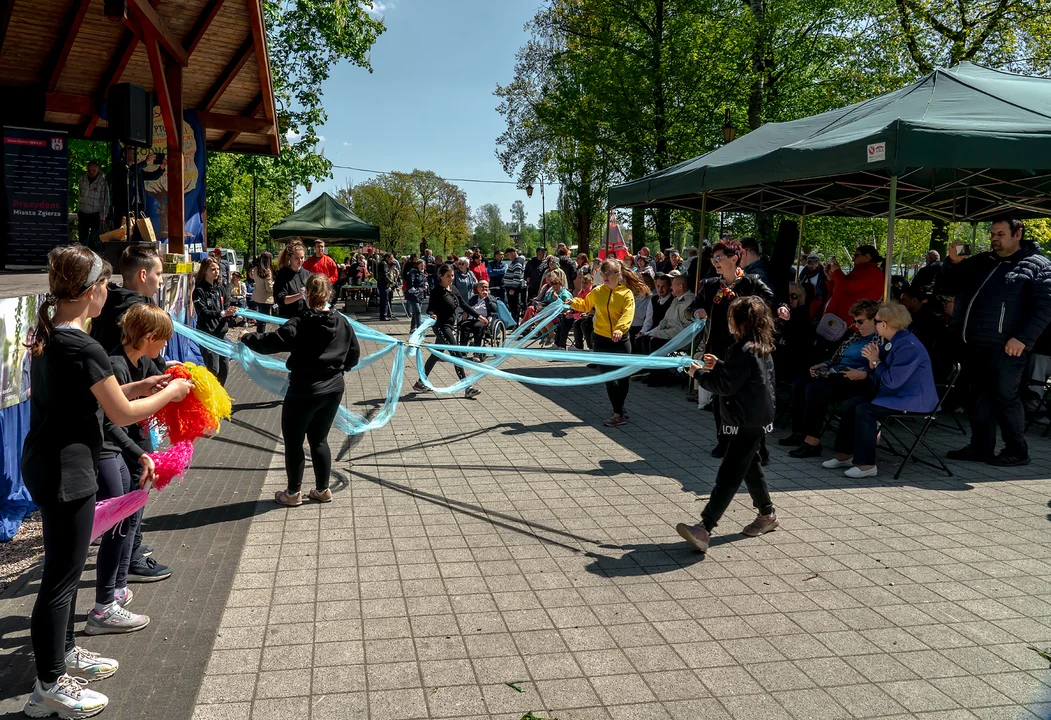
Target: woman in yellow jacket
[[614, 304]]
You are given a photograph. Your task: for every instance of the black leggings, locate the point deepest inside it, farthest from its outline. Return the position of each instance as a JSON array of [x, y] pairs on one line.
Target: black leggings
[[263, 309], [444, 335], [617, 390], [67, 534], [741, 462], [217, 365], [114, 555], [309, 417]]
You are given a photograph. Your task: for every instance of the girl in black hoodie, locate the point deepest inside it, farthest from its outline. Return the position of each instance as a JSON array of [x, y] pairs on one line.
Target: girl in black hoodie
[[321, 346], [442, 307], [213, 307], [744, 384]]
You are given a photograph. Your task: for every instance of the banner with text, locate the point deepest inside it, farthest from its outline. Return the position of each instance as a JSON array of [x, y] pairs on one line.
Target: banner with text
[[36, 194]]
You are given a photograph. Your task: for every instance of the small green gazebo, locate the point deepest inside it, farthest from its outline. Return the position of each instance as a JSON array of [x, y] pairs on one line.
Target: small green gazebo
[[328, 219]]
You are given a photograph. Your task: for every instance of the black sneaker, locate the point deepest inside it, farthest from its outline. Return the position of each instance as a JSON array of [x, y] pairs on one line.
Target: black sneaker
[[806, 451], [1009, 459], [148, 570], [791, 440], [968, 454]]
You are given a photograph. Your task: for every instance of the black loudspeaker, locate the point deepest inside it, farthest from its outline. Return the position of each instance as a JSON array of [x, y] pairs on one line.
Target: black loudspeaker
[[115, 9], [130, 111]]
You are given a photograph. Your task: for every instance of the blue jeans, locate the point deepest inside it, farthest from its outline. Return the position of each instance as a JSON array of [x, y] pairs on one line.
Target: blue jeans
[[857, 430], [415, 310]]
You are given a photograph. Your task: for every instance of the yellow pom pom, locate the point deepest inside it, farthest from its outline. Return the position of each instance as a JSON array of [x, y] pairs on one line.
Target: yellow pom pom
[[212, 395]]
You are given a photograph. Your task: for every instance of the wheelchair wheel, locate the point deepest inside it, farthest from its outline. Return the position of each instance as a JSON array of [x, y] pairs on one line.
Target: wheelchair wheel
[[498, 335]]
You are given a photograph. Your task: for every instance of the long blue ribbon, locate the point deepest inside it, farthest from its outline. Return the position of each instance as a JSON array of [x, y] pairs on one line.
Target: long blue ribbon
[[271, 373]]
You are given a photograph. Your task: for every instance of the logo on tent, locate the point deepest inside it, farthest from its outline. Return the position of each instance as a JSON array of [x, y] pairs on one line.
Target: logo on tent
[[877, 152]]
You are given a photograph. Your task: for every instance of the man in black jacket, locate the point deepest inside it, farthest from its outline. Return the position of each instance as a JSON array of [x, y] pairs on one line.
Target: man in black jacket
[[535, 270], [566, 264], [1003, 304]]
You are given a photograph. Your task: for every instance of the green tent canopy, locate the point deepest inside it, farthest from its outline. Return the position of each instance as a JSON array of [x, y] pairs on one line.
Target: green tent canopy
[[965, 143], [325, 218]]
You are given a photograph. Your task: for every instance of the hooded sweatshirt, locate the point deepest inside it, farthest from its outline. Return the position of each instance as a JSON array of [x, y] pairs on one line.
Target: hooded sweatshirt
[[107, 332], [321, 346]]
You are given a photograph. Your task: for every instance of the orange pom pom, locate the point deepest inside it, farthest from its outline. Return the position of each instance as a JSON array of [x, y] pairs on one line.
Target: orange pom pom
[[188, 419]]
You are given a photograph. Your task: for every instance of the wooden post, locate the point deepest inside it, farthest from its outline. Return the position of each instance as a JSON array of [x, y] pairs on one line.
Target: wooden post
[[176, 197], [890, 236]]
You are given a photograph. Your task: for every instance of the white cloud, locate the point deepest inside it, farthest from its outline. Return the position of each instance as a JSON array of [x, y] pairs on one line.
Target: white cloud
[[378, 7], [292, 136], [347, 144], [321, 138]]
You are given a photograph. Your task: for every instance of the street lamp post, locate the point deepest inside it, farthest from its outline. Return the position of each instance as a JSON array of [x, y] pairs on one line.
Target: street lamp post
[[543, 208]]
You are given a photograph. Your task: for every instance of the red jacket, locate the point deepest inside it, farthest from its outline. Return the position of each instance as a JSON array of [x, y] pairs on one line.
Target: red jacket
[[322, 265], [479, 271], [865, 282]]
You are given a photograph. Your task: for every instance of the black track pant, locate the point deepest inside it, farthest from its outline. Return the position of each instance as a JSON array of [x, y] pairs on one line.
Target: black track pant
[[617, 390], [741, 463], [217, 365], [308, 417], [67, 534], [115, 550], [443, 335], [263, 309]]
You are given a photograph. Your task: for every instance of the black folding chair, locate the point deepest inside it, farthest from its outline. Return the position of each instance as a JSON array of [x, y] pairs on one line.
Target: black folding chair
[[928, 419], [1043, 388]]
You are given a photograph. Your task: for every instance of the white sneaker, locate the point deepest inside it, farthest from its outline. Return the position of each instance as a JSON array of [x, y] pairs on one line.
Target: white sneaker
[[67, 698], [81, 663], [834, 463], [859, 473], [115, 620]]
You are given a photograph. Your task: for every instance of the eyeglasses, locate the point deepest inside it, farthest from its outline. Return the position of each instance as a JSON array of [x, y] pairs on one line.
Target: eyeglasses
[[878, 321], [860, 320], [718, 258]]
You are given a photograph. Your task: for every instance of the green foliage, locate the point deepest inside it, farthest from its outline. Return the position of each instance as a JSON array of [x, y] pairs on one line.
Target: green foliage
[[490, 232], [410, 209], [229, 204]]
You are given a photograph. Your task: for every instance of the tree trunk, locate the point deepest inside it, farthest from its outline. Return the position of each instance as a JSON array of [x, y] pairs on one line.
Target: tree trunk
[[663, 215], [939, 236], [638, 229]]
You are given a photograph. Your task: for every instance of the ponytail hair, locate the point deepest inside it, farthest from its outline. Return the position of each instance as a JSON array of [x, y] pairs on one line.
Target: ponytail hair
[[72, 271], [752, 322], [632, 279], [319, 291]]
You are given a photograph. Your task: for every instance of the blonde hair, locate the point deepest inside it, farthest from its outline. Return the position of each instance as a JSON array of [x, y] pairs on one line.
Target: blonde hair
[[144, 321], [632, 279], [318, 291], [553, 277], [895, 315], [290, 249]]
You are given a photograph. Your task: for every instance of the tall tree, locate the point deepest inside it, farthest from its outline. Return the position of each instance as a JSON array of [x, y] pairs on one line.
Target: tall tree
[[518, 215], [490, 231]]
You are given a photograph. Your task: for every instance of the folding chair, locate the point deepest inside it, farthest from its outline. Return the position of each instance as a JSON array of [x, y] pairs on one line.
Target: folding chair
[[928, 420], [1042, 407]]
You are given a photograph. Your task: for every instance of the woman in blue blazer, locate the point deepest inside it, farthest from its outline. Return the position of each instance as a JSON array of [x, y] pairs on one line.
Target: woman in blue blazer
[[901, 369]]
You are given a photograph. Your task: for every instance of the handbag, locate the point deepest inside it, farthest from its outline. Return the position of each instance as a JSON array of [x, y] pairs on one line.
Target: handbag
[[145, 228], [832, 327]]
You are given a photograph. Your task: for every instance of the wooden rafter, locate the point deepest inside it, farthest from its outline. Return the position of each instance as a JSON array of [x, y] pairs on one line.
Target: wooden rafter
[[258, 24], [58, 60], [237, 62], [234, 123], [117, 66], [251, 111], [202, 25], [149, 18], [160, 82], [6, 8], [69, 104]]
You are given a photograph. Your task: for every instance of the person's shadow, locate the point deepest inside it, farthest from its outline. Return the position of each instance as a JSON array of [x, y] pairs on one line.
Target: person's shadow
[[651, 558]]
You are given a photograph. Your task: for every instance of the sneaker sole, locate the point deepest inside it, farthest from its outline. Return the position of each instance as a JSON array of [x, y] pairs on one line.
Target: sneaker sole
[[685, 535], [756, 533], [93, 677], [318, 500], [42, 712], [102, 630], [147, 578]]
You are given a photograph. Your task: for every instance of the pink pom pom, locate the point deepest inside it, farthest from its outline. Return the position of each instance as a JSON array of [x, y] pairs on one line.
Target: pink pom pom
[[109, 513], [171, 463]]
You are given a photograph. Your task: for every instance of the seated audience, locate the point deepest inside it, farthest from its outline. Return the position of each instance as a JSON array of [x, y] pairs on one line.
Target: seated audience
[[845, 376], [675, 320], [901, 370], [652, 310], [572, 320], [484, 305]]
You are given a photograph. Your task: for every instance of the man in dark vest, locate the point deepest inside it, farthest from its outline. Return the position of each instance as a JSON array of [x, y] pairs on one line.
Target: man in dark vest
[[655, 307]]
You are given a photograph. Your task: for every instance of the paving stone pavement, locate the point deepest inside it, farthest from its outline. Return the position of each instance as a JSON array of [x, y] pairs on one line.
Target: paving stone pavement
[[476, 548]]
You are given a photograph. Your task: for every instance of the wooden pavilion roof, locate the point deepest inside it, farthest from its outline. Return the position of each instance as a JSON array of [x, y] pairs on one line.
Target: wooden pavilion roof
[[59, 57]]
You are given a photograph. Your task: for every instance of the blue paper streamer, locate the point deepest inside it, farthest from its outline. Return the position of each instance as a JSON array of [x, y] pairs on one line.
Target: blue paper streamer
[[272, 375]]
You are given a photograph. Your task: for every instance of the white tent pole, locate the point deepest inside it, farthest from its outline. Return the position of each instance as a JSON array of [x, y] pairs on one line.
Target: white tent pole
[[890, 236]]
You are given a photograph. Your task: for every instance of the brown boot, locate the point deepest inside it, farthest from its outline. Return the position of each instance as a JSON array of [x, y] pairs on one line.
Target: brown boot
[[761, 524]]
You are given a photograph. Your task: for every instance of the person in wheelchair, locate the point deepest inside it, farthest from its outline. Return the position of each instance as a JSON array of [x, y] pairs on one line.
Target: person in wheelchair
[[485, 305]]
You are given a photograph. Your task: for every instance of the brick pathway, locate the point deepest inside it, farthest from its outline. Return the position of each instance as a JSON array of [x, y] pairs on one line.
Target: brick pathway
[[513, 539]]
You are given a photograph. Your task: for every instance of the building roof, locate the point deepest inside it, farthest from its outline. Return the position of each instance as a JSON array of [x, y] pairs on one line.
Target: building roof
[[59, 57]]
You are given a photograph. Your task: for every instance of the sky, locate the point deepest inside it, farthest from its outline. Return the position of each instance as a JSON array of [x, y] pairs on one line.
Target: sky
[[429, 102]]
